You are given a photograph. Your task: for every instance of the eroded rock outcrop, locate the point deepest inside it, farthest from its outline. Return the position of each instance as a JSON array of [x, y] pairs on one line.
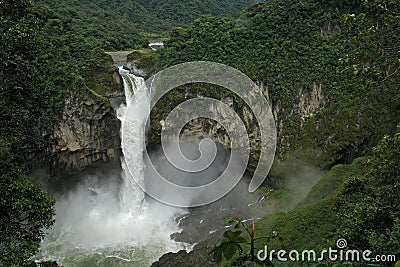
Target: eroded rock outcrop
[[289, 121], [88, 132]]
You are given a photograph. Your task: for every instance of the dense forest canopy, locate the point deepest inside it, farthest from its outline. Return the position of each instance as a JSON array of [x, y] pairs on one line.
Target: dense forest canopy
[[300, 45], [28, 98], [349, 50], [127, 24]]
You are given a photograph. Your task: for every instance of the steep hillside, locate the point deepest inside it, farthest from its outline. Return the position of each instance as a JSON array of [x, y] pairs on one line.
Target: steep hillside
[[157, 16], [324, 113], [118, 25], [331, 72]]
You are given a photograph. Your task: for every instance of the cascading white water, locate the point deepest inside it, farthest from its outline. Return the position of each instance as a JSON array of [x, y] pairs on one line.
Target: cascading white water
[[98, 227], [131, 195]]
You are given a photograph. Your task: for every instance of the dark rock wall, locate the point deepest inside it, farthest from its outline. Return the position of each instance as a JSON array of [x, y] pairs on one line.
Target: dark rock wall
[[87, 135]]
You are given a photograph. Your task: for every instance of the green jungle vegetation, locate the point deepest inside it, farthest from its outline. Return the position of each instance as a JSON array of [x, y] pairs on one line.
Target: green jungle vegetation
[[127, 24], [358, 202], [350, 49], [50, 49], [302, 44]]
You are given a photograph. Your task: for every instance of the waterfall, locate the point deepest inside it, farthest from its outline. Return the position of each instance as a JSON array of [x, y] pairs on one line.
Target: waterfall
[[107, 219], [131, 195]]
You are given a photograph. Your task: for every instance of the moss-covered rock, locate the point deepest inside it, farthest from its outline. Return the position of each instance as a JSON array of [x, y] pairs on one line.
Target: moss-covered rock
[[101, 76], [88, 130], [144, 62]]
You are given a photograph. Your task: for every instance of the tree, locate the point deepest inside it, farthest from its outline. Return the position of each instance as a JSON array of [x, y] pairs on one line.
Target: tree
[[25, 211], [23, 94], [369, 209], [376, 28], [26, 101]]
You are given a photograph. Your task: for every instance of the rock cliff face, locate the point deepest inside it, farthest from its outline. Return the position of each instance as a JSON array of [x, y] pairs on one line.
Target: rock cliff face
[[289, 121], [88, 131]]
